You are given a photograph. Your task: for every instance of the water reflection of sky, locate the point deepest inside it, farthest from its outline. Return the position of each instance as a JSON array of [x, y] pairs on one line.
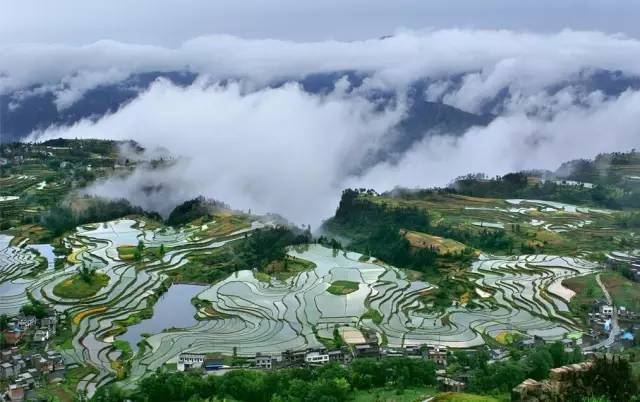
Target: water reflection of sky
[[173, 309], [46, 251]]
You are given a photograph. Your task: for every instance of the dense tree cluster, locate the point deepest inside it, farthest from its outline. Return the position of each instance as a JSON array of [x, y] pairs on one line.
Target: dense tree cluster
[[270, 244], [193, 209], [376, 230], [64, 218], [487, 239], [606, 172], [256, 251], [502, 376], [331, 383], [34, 308], [86, 273], [355, 210], [613, 378]]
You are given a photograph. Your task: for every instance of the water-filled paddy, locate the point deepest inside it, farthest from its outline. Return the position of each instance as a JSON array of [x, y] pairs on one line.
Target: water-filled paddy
[[521, 293], [173, 309]]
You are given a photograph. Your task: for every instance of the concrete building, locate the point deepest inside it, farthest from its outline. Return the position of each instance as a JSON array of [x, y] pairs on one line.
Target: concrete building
[[437, 354], [189, 361], [606, 309], [316, 358], [267, 361]]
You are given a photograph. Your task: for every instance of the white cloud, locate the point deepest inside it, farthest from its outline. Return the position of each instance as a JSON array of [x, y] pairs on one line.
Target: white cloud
[[275, 150], [525, 61], [517, 142], [288, 151]]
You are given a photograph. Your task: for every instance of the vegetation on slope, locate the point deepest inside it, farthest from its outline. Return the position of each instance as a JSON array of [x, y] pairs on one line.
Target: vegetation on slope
[[64, 218], [342, 287], [587, 291], [193, 209], [264, 250], [329, 383], [624, 292], [77, 287]]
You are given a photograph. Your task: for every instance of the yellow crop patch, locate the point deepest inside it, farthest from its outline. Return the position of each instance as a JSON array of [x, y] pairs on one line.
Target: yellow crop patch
[[78, 317]]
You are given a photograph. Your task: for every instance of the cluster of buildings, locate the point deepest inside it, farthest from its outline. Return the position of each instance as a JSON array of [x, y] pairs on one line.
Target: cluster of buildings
[[23, 372], [318, 356], [600, 324], [39, 330]]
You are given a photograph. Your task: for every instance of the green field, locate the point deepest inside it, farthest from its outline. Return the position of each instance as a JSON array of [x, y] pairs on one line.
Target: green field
[[462, 397], [66, 390], [439, 244], [342, 287], [373, 315], [77, 288], [394, 395], [587, 291], [624, 292]]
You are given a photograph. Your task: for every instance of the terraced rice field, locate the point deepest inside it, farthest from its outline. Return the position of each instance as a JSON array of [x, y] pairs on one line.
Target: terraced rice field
[[526, 292], [131, 287], [246, 315], [552, 216]]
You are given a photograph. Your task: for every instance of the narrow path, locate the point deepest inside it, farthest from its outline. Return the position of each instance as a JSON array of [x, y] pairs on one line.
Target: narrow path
[[615, 328]]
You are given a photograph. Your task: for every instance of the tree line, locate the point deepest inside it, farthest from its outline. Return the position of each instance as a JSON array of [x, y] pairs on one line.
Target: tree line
[[330, 383]]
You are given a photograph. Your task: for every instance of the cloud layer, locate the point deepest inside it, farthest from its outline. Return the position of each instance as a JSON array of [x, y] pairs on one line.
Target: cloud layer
[[288, 151], [275, 150], [497, 57]]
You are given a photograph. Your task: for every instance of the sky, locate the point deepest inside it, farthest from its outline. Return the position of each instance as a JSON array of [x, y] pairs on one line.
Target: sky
[[171, 22], [288, 151]]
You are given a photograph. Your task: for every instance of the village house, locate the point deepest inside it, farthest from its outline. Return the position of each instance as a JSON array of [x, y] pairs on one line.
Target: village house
[[26, 322], [41, 335], [316, 358], [606, 310], [267, 361], [49, 323], [392, 352], [212, 364], [437, 354], [7, 370], [292, 358], [342, 356], [13, 336], [16, 392], [366, 350], [450, 385], [189, 361]]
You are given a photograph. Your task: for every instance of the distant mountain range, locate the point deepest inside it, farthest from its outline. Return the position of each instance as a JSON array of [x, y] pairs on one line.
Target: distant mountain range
[[38, 111], [31, 109]]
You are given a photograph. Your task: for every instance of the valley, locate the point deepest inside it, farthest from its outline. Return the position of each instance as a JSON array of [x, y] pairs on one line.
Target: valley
[[395, 271]]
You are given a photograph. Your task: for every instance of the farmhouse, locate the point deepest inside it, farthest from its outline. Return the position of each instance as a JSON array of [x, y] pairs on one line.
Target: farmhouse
[[188, 361], [606, 309], [267, 361], [316, 358]]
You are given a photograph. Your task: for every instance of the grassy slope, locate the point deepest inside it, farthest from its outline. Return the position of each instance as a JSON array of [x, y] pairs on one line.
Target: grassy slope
[[440, 244], [587, 291], [624, 292], [452, 209], [76, 288], [292, 267], [66, 390], [342, 287], [391, 395], [462, 397]]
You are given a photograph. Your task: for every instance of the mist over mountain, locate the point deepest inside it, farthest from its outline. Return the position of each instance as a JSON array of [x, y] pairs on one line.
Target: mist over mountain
[[37, 108], [414, 109]]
